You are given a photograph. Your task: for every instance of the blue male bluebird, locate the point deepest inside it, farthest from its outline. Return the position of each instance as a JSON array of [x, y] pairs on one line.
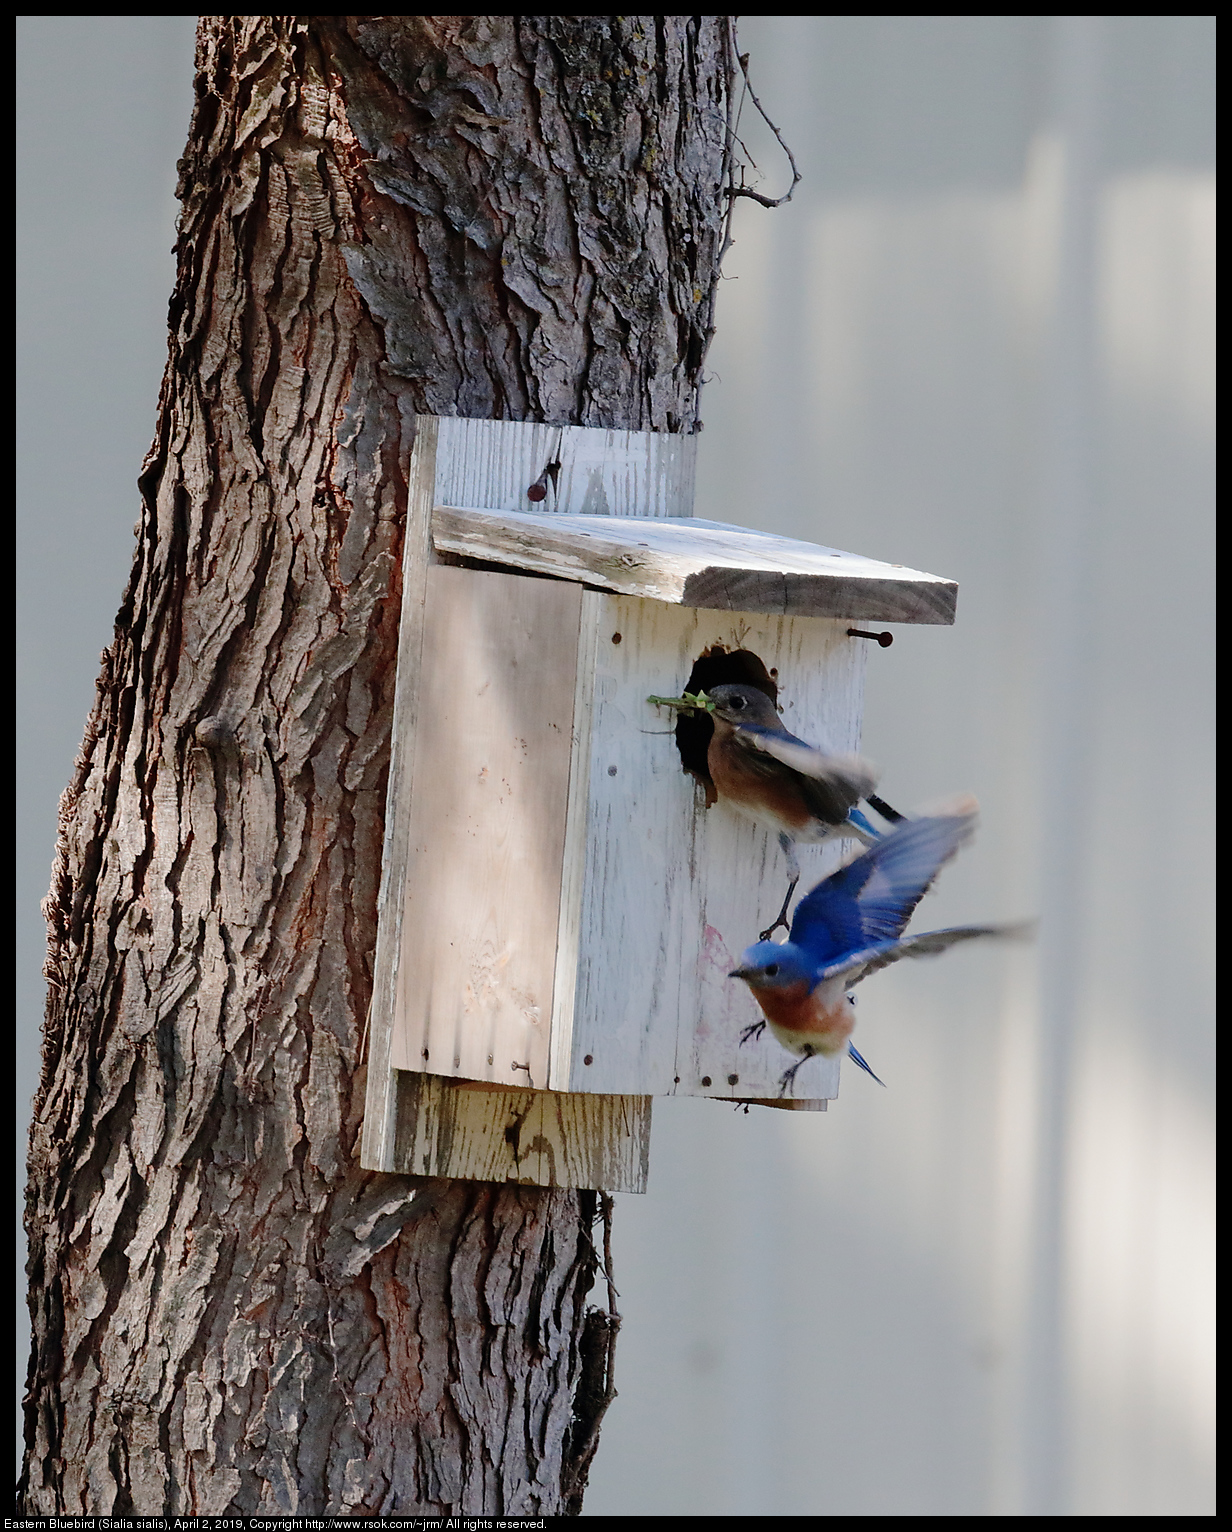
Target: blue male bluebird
[[765, 772], [851, 925]]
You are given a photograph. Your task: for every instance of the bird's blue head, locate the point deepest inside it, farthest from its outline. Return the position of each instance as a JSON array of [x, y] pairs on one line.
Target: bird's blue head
[[774, 965]]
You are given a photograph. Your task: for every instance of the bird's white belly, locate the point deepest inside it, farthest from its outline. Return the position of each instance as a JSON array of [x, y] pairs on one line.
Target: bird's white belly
[[832, 1021]]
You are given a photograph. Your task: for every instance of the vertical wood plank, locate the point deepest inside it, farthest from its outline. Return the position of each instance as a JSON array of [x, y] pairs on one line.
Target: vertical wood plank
[[674, 892], [487, 827], [380, 1100], [821, 680], [573, 871]]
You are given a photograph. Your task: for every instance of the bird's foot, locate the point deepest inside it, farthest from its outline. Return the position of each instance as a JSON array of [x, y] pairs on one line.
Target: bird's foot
[[787, 1083], [755, 1030], [780, 919]]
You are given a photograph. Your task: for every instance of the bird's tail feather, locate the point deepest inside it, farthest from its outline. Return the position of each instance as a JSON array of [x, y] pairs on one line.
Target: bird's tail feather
[[863, 1063], [873, 821], [861, 828], [891, 816]]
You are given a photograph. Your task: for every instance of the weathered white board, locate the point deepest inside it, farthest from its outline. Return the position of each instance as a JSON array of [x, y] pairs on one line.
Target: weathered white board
[[689, 562], [672, 892], [493, 463], [490, 795]]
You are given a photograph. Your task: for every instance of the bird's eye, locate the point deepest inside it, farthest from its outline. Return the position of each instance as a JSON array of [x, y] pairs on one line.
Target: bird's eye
[[771, 970], [738, 703]]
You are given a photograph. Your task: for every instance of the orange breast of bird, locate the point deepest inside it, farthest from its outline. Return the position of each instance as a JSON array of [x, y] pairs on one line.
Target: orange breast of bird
[[797, 1017], [755, 783]]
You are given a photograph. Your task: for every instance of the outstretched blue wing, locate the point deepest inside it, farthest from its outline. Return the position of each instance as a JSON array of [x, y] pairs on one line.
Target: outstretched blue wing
[[871, 899]]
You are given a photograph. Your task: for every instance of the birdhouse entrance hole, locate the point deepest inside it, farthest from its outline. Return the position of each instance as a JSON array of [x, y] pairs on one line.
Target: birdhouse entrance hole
[[717, 666]]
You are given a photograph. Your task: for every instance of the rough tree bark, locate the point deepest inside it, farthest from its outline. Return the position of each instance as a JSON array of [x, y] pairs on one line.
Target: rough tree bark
[[488, 216]]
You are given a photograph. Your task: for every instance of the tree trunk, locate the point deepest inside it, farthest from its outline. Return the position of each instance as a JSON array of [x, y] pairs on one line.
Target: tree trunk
[[488, 216]]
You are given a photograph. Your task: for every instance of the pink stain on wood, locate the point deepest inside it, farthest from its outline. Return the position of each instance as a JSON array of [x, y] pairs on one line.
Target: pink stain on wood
[[714, 953]]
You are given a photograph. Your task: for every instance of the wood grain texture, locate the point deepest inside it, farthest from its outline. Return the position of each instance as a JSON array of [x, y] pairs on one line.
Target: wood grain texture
[[673, 892], [376, 1148], [543, 1138], [602, 472], [698, 563], [382, 218], [486, 840]]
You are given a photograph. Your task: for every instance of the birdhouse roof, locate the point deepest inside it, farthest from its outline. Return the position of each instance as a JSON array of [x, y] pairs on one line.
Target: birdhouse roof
[[690, 562]]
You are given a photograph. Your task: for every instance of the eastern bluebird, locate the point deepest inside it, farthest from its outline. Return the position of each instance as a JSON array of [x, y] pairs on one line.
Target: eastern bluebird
[[764, 771], [851, 925]]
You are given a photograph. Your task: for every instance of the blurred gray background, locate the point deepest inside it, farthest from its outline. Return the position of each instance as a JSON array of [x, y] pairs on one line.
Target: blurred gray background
[[979, 342]]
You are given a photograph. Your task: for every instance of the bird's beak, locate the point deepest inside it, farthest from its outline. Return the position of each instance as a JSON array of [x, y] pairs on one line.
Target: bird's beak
[[742, 973]]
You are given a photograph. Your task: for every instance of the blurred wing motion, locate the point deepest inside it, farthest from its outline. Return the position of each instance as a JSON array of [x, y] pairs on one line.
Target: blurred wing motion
[[851, 925], [928, 944], [867, 904], [850, 776]]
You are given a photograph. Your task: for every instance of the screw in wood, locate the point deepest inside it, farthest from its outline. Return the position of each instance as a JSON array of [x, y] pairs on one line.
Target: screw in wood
[[706, 1081], [539, 489], [884, 639]]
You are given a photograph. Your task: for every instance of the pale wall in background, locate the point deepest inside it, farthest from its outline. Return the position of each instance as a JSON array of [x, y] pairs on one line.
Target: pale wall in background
[[978, 342]]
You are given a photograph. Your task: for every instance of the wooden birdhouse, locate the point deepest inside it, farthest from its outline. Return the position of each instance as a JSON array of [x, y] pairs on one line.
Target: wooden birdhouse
[[562, 899]]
